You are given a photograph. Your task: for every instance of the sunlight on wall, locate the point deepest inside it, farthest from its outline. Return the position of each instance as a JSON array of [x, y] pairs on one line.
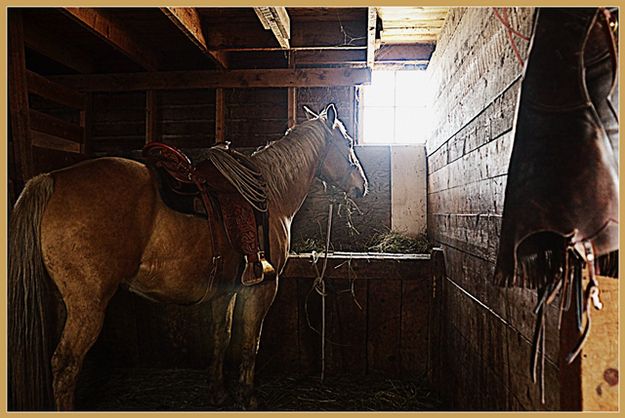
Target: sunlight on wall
[[395, 108]]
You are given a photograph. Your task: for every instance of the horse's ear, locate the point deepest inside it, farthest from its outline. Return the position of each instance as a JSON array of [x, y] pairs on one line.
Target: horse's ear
[[330, 113], [309, 113]]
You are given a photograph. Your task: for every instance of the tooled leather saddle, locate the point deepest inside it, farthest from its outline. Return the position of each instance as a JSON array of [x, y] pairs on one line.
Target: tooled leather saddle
[[227, 184]]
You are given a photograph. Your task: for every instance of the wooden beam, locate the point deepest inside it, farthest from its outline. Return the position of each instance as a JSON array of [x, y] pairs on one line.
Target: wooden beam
[[18, 98], [334, 56], [371, 21], [220, 116], [179, 80], [366, 266], [188, 20], [58, 93], [277, 19], [48, 141], [54, 126], [320, 35], [404, 52], [51, 45], [115, 34]]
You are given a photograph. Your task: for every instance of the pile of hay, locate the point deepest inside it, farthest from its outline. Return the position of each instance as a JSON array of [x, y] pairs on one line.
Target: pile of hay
[[395, 242]]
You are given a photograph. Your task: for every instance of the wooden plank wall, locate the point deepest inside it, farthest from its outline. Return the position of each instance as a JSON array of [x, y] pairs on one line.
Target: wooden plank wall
[[485, 330]]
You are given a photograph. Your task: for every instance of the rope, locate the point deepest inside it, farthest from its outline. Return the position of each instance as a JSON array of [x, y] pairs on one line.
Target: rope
[[247, 181], [323, 293], [511, 31]]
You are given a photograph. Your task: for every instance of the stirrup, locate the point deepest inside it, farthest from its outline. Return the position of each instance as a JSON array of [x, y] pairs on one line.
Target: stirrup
[[255, 271]]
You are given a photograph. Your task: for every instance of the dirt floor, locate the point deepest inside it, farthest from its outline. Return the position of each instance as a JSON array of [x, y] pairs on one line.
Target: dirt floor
[[185, 390]]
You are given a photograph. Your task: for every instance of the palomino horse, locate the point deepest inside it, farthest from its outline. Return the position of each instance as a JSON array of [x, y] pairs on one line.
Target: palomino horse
[[101, 223]]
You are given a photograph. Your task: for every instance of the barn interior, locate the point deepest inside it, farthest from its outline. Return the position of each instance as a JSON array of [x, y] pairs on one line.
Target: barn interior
[[429, 95]]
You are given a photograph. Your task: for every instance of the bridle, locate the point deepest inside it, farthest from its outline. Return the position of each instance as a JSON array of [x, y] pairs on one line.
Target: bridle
[[331, 143]]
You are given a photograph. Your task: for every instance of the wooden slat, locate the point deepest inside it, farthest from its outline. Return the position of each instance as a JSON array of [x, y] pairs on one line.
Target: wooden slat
[[292, 97], [115, 34], [220, 116], [292, 106], [416, 300], [384, 307], [86, 122], [47, 141], [55, 47], [53, 91], [371, 21], [151, 116], [188, 20], [175, 80], [54, 126], [18, 98]]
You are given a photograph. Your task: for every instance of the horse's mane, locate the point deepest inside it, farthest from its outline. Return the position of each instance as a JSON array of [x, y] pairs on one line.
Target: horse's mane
[[280, 161]]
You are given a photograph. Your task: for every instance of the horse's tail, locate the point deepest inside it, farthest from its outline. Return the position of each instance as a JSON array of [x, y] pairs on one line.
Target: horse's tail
[[29, 372]]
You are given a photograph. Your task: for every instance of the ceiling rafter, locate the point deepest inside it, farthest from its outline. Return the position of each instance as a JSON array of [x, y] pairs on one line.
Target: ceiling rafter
[[188, 20], [107, 28], [277, 19]]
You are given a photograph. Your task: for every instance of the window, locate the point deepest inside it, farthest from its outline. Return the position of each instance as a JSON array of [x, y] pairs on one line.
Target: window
[[395, 108]]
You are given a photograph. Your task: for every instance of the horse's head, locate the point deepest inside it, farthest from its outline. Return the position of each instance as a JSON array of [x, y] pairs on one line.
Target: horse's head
[[340, 166]]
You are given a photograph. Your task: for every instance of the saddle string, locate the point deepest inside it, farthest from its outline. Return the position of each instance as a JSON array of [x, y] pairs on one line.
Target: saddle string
[[569, 281]]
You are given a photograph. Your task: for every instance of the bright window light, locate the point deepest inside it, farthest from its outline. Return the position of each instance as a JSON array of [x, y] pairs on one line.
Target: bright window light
[[395, 108]]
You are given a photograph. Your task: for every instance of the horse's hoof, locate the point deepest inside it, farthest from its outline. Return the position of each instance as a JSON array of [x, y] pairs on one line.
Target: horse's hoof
[[246, 399], [218, 396]]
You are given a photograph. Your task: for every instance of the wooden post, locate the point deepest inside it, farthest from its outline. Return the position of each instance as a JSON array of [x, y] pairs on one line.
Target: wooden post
[[18, 99], [220, 116], [151, 116], [292, 97]]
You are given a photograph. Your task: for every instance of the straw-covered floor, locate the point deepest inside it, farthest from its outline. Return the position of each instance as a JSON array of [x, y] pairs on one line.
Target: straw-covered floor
[[186, 390]]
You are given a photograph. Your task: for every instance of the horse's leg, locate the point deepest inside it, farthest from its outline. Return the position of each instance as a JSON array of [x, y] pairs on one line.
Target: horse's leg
[[221, 326], [252, 306], [82, 327]]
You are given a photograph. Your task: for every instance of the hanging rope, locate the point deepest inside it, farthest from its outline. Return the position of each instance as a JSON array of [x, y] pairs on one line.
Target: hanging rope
[[319, 286], [503, 18]]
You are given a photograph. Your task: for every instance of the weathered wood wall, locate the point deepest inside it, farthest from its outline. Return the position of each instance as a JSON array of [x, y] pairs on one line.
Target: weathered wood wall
[[485, 331]]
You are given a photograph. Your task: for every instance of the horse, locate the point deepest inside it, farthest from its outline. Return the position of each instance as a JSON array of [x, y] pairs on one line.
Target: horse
[[92, 227]]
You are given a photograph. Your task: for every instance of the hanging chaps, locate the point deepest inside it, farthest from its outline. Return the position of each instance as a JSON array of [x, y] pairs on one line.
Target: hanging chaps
[[561, 203]]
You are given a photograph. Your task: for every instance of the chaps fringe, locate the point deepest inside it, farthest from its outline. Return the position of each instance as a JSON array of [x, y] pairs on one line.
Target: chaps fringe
[[29, 374]]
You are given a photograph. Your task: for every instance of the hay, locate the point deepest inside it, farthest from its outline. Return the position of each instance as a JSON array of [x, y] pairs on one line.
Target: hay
[[307, 245], [186, 390], [395, 242]]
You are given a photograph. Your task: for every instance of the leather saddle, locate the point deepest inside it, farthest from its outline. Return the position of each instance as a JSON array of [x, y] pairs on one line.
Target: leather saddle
[[226, 183]]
